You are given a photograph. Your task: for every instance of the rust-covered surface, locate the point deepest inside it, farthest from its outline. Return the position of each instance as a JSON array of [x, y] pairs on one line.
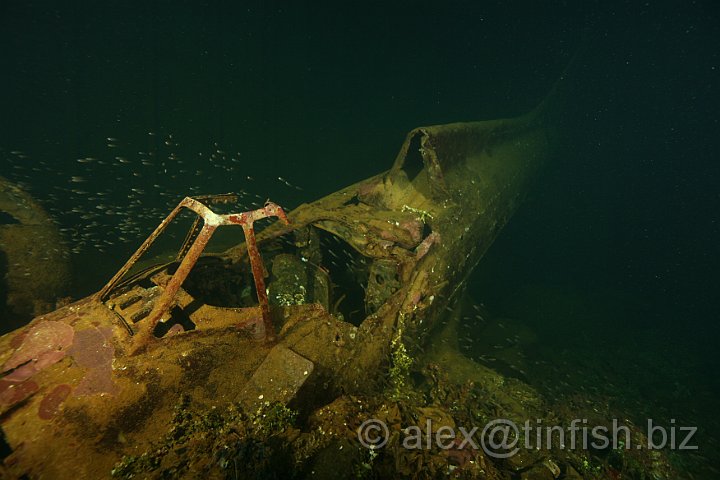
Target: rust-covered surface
[[347, 276], [278, 378]]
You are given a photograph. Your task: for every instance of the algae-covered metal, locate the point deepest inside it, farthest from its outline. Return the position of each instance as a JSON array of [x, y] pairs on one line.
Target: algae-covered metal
[[346, 278]]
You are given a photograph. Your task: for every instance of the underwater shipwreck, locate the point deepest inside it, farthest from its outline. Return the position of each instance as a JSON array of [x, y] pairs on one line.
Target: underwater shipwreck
[[263, 358]]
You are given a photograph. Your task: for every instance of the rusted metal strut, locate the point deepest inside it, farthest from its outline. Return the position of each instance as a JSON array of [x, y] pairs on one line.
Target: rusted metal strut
[[246, 220]]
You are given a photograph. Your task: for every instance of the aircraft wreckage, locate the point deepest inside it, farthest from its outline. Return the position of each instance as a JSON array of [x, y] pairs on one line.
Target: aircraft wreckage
[[311, 304]]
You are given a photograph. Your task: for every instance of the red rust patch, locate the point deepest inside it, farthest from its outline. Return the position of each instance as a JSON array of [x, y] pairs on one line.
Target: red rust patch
[[93, 351], [43, 345], [18, 339], [50, 404], [14, 392]]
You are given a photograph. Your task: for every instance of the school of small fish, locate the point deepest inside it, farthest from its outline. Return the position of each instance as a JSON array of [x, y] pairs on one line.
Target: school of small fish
[[108, 201]]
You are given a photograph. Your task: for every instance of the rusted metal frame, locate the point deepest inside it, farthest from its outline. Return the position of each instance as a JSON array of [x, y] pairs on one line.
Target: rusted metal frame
[[246, 220], [267, 330], [187, 202], [190, 238], [192, 254], [140, 251], [211, 222], [162, 306]]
